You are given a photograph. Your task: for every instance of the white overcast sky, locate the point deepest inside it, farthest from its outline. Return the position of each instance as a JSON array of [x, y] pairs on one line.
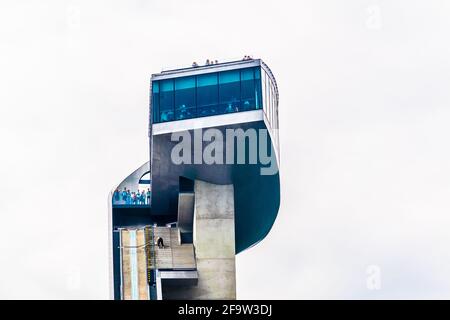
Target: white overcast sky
[[364, 116]]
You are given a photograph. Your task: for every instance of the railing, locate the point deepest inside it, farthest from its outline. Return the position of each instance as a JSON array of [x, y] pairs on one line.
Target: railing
[[150, 252], [203, 63], [273, 80]]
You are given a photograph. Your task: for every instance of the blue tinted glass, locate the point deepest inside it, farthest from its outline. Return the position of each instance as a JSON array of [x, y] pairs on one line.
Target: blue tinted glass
[[155, 87], [248, 98], [167, 85], [257, 73], [207, 94], [166, 102], [184, 83], [185, 107], [155, 101], [207, 80], [211, 94], [258, 88], [247, 74], [229, 76], [229, 91]]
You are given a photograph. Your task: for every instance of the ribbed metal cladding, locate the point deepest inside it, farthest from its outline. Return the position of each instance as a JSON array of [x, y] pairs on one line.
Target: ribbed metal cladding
[[149, 252]]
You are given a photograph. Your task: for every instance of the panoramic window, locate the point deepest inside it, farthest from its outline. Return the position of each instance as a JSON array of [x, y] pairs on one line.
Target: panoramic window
[[211, 94], [207, 94], [166, 101], [185, 106], [229, 91]]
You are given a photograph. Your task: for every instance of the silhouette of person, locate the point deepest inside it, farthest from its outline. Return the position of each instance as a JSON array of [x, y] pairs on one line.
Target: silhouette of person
[[148, 195], [128, 196], [160, 242]]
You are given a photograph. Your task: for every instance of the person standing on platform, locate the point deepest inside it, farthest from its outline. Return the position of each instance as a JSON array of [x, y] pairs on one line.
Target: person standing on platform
[[148, 195]]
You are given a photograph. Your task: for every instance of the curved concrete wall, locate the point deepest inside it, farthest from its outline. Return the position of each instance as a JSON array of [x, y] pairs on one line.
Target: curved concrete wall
[[257, 197]]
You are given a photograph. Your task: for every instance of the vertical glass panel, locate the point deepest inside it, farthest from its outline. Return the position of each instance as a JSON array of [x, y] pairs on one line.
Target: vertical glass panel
[[272, 94], [248, 98], [269, 107], [155, 101], [166, 98], [275, 113], [264, 93], [258, 73], [229, 91], [258, 94], [185, 107], [207, 94], [247, 74]]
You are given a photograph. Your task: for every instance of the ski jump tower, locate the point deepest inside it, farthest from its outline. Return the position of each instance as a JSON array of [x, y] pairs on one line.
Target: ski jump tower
[[210, 189]]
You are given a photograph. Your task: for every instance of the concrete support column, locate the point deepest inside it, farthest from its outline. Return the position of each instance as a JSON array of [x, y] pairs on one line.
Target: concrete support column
[[158, 286], [214, 241]]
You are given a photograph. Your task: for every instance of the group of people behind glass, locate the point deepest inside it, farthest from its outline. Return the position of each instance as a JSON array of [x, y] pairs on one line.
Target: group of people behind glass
[[132, 198], [184, 112]]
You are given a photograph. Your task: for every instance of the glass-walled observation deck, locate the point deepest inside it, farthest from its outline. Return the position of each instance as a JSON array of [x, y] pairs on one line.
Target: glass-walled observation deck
[[207, 94], [215, 89]]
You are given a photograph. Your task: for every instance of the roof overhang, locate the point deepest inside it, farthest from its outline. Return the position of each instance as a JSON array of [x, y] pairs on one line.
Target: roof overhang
[[170, 74]]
